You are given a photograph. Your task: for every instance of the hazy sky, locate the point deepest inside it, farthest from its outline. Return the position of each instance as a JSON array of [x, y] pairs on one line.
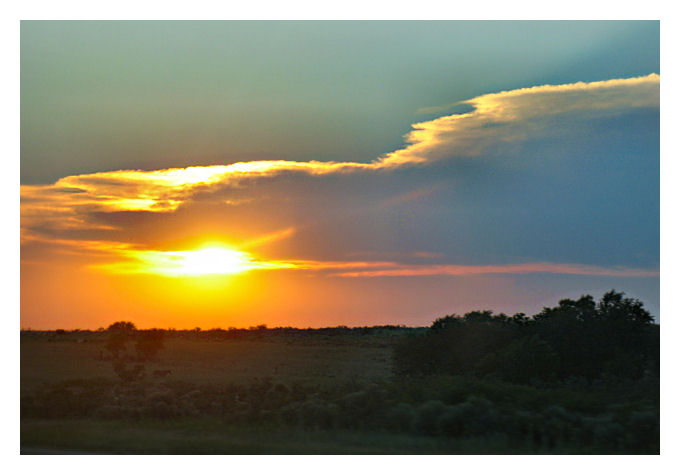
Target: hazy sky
[[366, 172]]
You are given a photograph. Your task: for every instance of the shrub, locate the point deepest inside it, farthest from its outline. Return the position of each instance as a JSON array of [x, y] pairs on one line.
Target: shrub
[[400, 417], [126, 373], [474, 417], [644, 431], [317, 413], [427, 417]]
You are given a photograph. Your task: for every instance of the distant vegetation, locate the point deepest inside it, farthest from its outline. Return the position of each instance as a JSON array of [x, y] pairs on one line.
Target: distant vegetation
[[577, 339], [581, 377]]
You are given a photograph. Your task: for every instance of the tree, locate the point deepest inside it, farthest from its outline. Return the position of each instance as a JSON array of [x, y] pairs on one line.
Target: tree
[[119, 333], [127, 328], [446, 323], [527, 359], [614, 307], [577, 338]]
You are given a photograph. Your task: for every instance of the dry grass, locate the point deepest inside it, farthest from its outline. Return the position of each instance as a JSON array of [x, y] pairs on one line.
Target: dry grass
[[200, 361]]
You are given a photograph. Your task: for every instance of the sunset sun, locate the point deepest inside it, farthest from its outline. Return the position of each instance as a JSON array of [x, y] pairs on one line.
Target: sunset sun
[[213, 260]]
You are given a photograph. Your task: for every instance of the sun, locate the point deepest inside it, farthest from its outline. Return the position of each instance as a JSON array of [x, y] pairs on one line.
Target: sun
[[205, 261], [211, 260]]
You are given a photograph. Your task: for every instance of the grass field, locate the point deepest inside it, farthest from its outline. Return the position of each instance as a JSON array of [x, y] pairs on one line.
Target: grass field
[[213, 437], [200, 361], [51, 359], [269, 392]]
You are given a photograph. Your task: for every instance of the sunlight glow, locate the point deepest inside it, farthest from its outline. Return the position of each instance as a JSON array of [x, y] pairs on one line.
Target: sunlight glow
[[205, 261]]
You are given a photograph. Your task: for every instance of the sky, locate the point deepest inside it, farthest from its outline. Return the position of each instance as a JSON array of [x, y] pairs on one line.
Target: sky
[[217, 174]]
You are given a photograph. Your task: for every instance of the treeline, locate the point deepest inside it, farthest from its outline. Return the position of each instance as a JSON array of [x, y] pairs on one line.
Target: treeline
[[615, 337], [231, 333]]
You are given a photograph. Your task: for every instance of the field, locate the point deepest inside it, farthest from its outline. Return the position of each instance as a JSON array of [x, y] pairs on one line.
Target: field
[[289, 391], [49, 358], [200, 361], [204, 436]]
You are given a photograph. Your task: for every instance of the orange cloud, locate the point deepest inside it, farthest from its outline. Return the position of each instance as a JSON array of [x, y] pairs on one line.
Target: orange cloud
[[271, 237], [159, 190], [117, 257], [196, 262], [528, 268]]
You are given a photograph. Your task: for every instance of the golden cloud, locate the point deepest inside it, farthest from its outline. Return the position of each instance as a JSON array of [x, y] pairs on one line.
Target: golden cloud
[[501, 117], [518, 114]]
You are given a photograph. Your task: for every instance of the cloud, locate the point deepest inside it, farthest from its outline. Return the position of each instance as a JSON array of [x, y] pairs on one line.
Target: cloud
[[71, 204], [527, 268], [519, 114], [495, 118], [164, 263], [126, 259], [409, 196], [161, 190]]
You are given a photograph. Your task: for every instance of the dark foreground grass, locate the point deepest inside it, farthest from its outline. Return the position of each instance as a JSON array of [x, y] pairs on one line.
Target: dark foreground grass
[[322, 395], [326, 362], [205, 436]]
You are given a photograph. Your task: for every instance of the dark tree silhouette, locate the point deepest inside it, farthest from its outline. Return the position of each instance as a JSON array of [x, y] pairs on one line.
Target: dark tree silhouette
[[526, 359], [122, 327], [615, 335], [577, 338], [119, 333]]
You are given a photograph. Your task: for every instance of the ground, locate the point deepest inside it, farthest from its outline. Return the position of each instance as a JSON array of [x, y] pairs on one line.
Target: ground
[[307, 392], [205, 361]]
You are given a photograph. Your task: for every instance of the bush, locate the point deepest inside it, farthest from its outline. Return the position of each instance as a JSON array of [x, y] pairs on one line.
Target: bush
[[427, 417], [319, 414], [126, 373], [400, 417], [474, 417], [643, 431]]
